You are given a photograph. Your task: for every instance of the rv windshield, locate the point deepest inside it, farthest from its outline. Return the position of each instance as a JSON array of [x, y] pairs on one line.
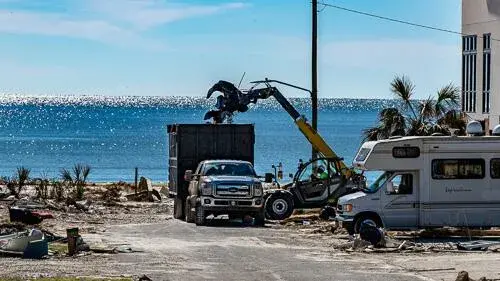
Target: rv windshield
[[375, 186]]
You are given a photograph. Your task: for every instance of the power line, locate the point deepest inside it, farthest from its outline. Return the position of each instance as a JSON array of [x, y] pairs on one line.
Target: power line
[[398, 20]]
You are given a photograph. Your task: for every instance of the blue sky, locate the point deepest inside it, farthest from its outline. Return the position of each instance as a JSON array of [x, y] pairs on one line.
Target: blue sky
[[161, 47]]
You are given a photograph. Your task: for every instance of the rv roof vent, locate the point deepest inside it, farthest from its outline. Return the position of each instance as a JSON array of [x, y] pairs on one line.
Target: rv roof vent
[[474, 128], [496, 131]]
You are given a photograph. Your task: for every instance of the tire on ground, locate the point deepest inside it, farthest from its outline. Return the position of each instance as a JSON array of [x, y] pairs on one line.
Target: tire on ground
[[190, 215], [200, 215], [279, 206], [368, 217], [178, 208]]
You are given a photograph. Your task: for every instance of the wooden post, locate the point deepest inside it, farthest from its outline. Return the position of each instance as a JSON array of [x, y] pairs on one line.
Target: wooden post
[[72, 235], [136, 177]]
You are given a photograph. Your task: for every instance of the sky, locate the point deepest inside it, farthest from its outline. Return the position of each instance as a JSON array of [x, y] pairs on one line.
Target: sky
[[181, 48]]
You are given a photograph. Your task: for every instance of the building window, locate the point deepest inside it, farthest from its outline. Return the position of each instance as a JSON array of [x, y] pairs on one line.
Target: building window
[[486, 72], [449, 169], [469, 54]]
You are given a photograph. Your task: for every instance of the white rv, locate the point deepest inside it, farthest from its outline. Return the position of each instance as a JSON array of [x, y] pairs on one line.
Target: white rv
[[427, 182]]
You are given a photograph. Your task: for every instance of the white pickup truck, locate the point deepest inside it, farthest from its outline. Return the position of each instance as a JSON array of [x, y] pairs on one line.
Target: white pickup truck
[[229, 187]]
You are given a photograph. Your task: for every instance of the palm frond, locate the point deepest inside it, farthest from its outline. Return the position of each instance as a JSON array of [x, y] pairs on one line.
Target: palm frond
[[85, 172], [448, 96], [66, 175], [426, 109], [403, 89], [371, 134], [23, 175], [77, 172]]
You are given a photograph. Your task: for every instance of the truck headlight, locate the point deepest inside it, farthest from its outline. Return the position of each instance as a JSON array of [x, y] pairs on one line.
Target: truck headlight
[[347, 207], [257, 189], [206, 189]]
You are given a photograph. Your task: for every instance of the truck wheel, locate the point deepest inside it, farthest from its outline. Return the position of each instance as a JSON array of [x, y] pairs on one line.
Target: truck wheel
[[260, 219], [367, 219], [200, 215], [279, 206], [190, 215], [178, 208]]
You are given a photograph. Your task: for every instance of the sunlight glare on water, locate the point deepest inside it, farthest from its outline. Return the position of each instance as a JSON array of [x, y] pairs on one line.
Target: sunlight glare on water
[[116, 134]]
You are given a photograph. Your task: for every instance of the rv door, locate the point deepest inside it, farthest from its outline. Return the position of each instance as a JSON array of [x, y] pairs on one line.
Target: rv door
[[400, 201]]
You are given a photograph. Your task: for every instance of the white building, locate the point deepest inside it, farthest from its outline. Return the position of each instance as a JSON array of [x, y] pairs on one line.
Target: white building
[[481, 60]]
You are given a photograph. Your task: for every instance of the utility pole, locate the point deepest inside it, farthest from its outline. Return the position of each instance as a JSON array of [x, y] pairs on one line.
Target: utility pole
[[314, 70]]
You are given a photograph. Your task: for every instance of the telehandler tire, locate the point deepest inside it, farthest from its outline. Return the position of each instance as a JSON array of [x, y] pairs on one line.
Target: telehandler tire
[[279, 206]]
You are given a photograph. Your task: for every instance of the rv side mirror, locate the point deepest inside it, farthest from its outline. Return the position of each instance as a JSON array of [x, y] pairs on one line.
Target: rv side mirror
[[268, 177], [389, 188], [290, 175], [188, 175]]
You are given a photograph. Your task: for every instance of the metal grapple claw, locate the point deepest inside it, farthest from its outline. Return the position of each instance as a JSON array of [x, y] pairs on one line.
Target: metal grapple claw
[[232, 100]]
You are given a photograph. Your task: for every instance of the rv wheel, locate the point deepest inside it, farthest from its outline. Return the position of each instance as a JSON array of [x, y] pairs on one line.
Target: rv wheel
[[366, 219]]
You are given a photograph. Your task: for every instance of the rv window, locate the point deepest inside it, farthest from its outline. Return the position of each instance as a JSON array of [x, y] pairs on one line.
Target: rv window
[[446, 169], [403, 184], [495, 168], [375, 186], [362, 154], [406, 152]]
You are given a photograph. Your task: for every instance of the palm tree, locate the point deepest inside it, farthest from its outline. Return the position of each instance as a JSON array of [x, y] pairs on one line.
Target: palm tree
[[22, 177], [418, 118], [77, 180]]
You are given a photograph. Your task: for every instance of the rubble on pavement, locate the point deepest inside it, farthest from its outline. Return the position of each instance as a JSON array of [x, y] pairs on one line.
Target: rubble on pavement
[[464, 276], [310, 223]]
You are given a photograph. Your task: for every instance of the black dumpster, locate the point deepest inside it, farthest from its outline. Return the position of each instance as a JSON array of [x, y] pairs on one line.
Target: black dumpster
[[189, 144]]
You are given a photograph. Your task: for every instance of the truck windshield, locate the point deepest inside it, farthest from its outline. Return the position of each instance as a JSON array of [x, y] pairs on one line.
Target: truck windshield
[[228, 169], [375, 186]]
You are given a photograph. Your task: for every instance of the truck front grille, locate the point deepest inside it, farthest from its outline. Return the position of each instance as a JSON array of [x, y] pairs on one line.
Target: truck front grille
[[232, 190], [228, 203]]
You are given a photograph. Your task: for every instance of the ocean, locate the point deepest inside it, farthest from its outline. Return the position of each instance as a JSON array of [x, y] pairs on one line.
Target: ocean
[[116, 134]]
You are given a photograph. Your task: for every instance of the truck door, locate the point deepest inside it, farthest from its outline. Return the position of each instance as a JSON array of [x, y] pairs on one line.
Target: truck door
[[400, 208]]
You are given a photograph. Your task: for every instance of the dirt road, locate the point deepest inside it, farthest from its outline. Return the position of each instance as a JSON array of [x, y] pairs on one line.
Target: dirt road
[[169, 249], [180, 251], [175, 250]]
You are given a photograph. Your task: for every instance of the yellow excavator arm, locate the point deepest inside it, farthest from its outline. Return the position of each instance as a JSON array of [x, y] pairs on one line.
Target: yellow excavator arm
[[320, 145], [312, 135]]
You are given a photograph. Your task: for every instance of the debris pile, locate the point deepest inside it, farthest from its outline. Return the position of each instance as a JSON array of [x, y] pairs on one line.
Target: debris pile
[[145, 192], [28, 244], [380, 242], [28, 224], [372, 239], [28, 212], [464, 276]]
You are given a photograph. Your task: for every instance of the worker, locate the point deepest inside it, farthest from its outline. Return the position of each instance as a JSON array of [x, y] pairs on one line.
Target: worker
[[321, 173]]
